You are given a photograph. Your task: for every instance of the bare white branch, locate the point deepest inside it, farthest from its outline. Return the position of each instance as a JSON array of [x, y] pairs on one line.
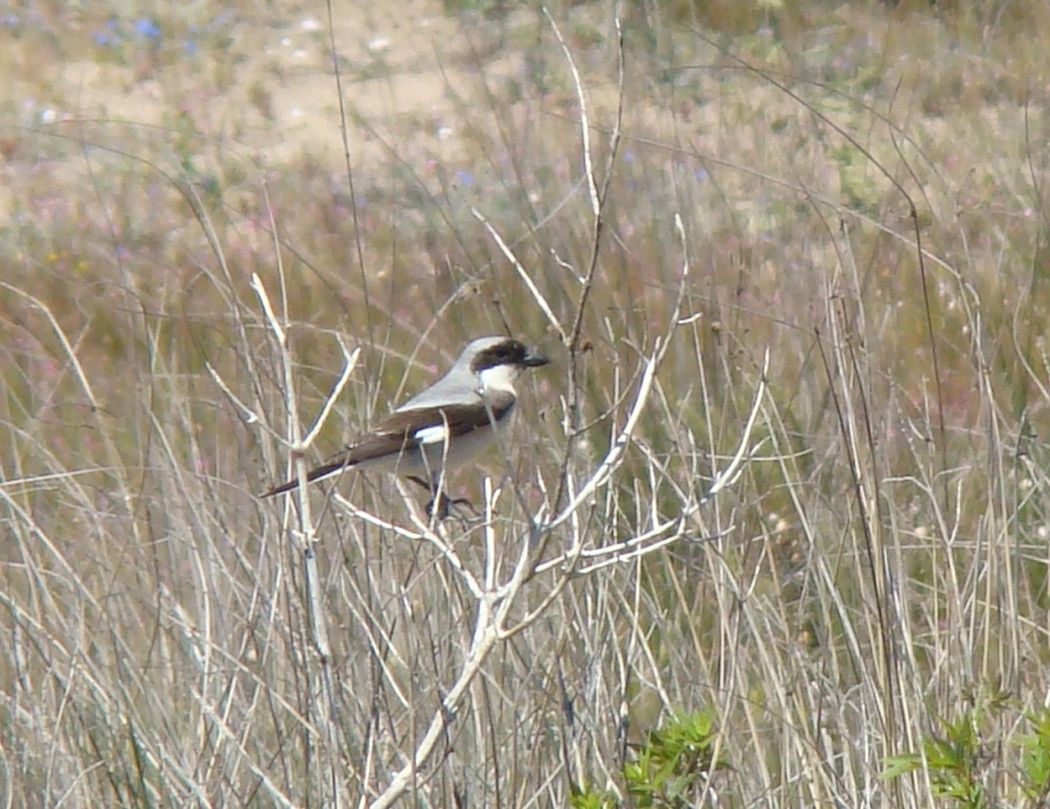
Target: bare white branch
[[264, 300], [529, 283], [349, 363], [585, 127]]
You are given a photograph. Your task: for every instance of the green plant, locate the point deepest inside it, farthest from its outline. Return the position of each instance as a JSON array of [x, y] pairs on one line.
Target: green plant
[[958, 761], [589, 799], [674, 764], [672, 768], [1036, 747], [954, 761]]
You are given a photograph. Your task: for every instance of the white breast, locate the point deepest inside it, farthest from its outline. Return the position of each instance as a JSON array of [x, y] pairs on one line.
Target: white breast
[[499, 378]]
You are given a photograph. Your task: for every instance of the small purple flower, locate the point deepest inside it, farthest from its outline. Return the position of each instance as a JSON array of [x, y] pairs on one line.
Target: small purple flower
[[110, 36], [221, 22], [147, 28], [465, 178], [192, 42]]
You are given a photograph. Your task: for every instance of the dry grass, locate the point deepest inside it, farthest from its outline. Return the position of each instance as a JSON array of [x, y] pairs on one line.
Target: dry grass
[[878, 564]]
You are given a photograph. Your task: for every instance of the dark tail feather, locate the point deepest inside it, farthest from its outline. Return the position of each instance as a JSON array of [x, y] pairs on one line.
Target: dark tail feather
[[312, 475]]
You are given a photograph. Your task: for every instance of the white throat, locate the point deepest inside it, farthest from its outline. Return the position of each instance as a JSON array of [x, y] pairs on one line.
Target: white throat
[[499, 378]]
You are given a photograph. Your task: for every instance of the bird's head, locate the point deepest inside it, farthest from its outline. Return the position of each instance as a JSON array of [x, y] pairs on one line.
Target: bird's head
[[497, 361]]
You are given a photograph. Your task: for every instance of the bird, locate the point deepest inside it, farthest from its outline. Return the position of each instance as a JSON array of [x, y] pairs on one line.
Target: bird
[[446, 425]]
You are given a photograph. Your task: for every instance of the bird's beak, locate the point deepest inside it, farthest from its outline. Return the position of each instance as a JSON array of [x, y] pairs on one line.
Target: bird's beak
[[533, 359]]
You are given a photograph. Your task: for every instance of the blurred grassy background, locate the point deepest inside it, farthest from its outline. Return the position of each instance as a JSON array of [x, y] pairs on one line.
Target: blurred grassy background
[[888, 553]]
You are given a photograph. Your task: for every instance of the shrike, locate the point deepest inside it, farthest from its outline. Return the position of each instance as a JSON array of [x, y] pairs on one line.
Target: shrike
[[446, 425]]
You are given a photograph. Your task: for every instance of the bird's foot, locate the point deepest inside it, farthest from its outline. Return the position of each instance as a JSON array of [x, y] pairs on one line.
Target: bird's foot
[[441, 505]]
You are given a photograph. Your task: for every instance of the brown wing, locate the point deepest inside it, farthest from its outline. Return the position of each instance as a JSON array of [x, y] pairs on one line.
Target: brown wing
[[403, 425], [398, 432]]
